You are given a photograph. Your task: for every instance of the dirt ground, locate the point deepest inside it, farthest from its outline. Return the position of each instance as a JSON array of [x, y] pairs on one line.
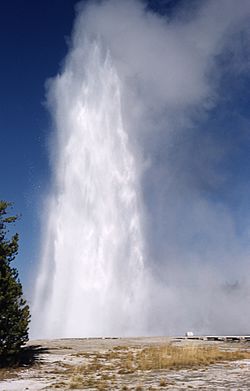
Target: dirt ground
[[59, 362]]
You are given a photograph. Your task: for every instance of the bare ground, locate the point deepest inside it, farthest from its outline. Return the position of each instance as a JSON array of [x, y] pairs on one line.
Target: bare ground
[[105, 364]]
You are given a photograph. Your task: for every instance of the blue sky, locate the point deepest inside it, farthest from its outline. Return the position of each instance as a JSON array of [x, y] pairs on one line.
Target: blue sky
[[33, 44], [215, 158]]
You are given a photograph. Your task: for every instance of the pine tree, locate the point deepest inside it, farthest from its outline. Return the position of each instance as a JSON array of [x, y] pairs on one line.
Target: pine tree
[[14, 311]]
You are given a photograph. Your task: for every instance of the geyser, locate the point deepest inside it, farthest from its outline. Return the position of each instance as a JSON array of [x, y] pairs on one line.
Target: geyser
[[141, 234], [92, 267]]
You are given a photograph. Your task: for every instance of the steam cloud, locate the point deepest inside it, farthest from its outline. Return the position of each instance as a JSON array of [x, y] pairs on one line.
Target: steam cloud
[[174, 74]]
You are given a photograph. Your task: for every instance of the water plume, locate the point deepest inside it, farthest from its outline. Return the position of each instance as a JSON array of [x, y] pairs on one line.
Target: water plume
[[141, 234], [92, 263]]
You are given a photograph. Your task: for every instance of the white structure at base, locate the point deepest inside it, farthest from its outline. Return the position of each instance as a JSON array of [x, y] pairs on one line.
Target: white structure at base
[[189, 334]]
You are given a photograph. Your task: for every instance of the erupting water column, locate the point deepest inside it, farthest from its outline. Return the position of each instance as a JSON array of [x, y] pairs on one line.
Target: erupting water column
[[90, 282]]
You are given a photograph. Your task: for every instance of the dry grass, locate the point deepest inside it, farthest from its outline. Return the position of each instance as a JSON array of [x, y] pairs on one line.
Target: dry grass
[[8, 373], [163, 383], [105, 370], [177, 357], [132, 367]]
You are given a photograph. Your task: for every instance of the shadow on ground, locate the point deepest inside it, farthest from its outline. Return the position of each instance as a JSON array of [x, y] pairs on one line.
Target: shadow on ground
[[26, 357]]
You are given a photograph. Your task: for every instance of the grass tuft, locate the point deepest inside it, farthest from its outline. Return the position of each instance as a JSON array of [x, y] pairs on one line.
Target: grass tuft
[[177, 357]]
